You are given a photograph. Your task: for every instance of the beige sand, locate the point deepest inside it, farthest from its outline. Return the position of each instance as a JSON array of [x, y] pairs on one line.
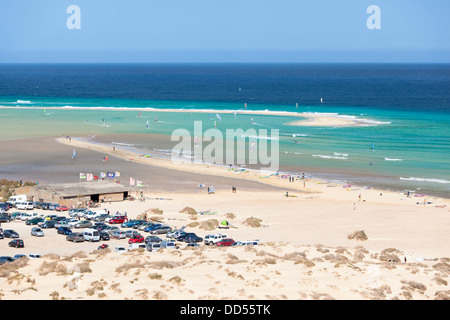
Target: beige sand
[[305, 250]]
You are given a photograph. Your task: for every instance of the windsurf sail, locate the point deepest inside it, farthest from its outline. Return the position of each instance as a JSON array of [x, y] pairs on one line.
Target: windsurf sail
[[74, 154], [148, 124], [372, 147]]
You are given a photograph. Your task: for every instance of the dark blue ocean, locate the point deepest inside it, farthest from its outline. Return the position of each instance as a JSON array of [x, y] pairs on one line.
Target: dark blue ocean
[[408, 87], [410, 103]]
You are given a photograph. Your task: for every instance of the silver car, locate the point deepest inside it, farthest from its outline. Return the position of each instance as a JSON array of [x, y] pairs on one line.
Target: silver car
[[161, 230], [118, 234], [130, 233], [83, 224], [37, 232]]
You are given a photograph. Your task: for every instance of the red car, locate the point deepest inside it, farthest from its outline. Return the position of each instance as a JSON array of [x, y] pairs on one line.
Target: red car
[[225, 242], [137, 238], [118, 219], [62, 208]]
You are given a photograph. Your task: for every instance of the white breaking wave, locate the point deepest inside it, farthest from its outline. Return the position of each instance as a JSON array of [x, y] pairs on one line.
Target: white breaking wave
[[258, 137], [388, 159], [329, 157], [341, 154], [23, 101], [425, 180]]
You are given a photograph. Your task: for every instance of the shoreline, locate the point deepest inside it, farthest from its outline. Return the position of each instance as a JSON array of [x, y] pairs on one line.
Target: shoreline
[[307, 185]]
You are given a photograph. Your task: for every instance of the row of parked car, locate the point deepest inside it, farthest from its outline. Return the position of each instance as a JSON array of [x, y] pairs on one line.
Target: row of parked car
[[100, 226]]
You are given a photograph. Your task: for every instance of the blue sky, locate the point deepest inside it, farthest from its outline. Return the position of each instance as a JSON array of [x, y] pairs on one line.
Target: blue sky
[[224, 31]]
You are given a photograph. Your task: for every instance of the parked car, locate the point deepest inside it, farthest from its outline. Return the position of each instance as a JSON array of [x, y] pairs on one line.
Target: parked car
[[225, 242], [120, 249], [34, 256], [53, 206], [130, 223], [193, 244], [5, 259], [137, 238], [45, 205], [47, 224], [118, 219], [214, 238], [10, 234], [153, 246], [27, 205], [192, 238], [143, 225], [153, 239], [246, 243], [182, 236], [91, 235], [19, 256], [175, 233], [69, 223], [101, 217], [161, 230], [37, 232], [153, 226], [16, 243], [1, 234], [64, 230], [83, 224], [110, 229], [50, 217], [130, 233], [4, 218], [169, 244], [118, 234], [62, 208], [75, 237], [34, 221], [104, 235], [133, 246], [28, 216]]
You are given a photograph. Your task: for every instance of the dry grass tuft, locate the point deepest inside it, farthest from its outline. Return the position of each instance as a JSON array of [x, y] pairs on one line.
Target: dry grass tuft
[[53, 266], [188, 210], [359, 235], [390, 255], [230, 215], [209, 224], [253, 222]]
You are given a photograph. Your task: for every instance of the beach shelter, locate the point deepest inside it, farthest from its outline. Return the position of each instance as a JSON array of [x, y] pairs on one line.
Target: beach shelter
[[224, 224]]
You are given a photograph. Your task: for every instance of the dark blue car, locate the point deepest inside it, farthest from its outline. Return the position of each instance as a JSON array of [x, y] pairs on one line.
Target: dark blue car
[[131, 223], [152, 227], [64, 230]]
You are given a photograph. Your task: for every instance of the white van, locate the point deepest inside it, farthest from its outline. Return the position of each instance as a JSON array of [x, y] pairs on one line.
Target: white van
[[17, 198], [133, 246], [153, 246], [28, 205], [91, 235]]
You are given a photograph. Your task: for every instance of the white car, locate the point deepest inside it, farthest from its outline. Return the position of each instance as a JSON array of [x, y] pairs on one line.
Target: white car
[[70, 223], [120, 249], [247, 243], [214, 238], [28, 205], [37, 232], [34, 256]]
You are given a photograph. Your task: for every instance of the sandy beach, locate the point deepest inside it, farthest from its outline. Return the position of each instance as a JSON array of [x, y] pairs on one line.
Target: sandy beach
[[306, 248]]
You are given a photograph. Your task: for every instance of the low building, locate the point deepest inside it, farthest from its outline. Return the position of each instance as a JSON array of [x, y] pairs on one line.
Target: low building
[[76, 194]]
